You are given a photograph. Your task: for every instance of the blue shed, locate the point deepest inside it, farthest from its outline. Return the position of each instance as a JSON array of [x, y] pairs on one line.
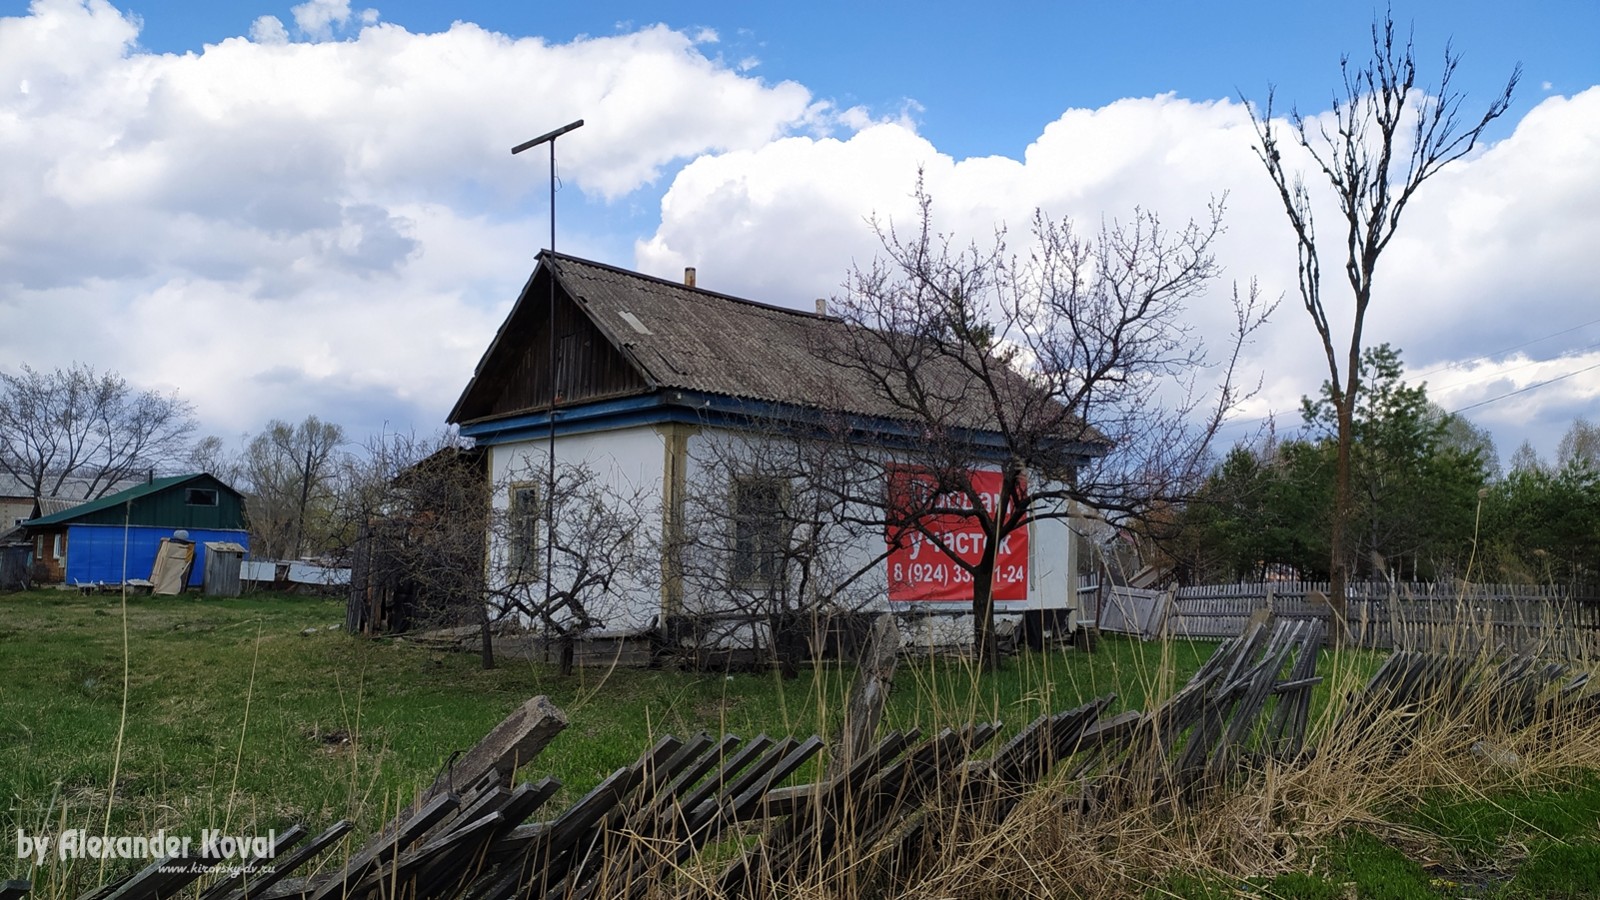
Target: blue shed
[[115, 538]]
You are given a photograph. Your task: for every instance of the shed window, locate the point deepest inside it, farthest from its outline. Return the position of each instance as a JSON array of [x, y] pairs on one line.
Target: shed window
[[760, 530], [200, 497], [522, 551]]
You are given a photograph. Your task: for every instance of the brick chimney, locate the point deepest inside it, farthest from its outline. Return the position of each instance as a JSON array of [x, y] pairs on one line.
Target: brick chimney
[[688, 276]]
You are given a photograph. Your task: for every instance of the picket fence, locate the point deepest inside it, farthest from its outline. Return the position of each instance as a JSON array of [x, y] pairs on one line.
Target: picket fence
[[1537, 619]]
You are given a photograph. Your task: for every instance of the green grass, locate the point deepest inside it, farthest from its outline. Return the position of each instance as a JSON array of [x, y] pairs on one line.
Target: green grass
[[1516, 843], [1478, 826], [236, 718], [1560, 870], [1377, 871], [1537, 840]]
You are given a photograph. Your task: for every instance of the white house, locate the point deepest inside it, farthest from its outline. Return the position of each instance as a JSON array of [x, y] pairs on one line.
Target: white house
[[692, 403]]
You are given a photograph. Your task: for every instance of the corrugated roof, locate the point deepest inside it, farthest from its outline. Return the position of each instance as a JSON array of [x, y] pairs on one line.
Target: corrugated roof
[[686, 338], [73, 489], [111, 500], [693, 339], [49, 506]]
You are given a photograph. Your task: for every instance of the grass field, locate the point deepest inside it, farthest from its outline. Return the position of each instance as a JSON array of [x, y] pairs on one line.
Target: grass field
[[237, 718], [250, 714]]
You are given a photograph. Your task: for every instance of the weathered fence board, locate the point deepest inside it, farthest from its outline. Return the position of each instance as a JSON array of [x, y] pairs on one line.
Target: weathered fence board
[[1541, 620]]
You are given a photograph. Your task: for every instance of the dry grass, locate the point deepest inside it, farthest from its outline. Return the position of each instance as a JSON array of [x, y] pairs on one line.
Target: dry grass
[[1279, 817], [1365, 770]]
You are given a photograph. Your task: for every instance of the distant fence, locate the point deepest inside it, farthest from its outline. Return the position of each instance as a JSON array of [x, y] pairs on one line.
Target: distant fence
[[1541, 619]]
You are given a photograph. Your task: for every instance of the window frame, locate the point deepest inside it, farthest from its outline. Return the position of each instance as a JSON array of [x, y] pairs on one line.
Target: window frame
[[522, 532], [760, 539], [194, 496]]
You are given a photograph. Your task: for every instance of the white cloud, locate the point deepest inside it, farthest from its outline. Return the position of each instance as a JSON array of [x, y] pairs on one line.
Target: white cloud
[[281, 228], [269, 225], [268, 30], [1495, 250], [318, 19]]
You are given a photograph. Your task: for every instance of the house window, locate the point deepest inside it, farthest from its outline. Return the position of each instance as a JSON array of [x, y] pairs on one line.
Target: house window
[[522, 550], [200, 497], [760, 529]]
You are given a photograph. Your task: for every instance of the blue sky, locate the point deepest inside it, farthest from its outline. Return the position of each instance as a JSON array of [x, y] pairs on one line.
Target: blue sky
[[334, 178], [985, 77]]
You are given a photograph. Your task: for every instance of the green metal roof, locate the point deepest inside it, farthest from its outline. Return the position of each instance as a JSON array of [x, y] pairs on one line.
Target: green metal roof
[[111, 501]]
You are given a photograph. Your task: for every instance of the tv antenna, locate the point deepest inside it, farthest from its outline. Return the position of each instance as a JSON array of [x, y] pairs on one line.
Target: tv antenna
[[549, 137]]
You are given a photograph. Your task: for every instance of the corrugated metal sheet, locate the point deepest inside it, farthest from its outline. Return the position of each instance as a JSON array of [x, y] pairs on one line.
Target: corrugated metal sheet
[[49, 506], [310, 573], [95, 553], [259, 570], [164, 502], [284, 572]]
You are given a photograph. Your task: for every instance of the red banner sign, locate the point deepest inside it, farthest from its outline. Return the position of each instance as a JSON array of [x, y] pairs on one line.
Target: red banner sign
[[920, 569]]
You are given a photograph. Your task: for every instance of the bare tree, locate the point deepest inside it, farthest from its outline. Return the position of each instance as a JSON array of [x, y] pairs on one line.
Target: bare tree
[[780, 522], [1383, 139], [419, 509], [1525, 459], [212, 454], [571, 567], [1580, 446], [289, 473], [75, 430], [1067, 376]]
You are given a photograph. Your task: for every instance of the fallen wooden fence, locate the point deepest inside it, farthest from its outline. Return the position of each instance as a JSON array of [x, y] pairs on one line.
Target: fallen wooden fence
[[717, 817]]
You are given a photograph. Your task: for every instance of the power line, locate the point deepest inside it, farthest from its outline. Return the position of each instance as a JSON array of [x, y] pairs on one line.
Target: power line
[[1498, 373], [1466, 362], [1460, 384], [1526, 389]]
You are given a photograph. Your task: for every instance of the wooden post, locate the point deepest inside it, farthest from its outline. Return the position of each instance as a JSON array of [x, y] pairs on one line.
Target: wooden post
[[874, 678], [517, 739]]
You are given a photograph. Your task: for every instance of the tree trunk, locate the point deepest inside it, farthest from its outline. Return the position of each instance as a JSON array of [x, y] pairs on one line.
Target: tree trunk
[[568, 645], [305, 496], [984, 642], [484, 631], [1339, 556]]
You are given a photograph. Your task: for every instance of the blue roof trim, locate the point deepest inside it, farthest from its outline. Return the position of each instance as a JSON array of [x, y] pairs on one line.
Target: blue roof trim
[[718, 410], [605, 415]]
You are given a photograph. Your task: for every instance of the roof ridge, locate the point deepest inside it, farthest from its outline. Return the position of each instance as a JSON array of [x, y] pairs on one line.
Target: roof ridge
[[125, 495], [667, 282]]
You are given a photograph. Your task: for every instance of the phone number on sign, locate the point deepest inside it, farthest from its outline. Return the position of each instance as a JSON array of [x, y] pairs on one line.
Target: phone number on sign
[[947, 573]]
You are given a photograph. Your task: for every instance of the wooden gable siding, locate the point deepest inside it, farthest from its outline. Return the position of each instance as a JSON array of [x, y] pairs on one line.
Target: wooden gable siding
[[588, 367], [171, 508]]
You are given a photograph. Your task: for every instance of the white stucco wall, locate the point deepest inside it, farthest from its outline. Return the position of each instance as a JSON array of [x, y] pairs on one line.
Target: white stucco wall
[[629, 461], [713, 457], [634, 462]]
